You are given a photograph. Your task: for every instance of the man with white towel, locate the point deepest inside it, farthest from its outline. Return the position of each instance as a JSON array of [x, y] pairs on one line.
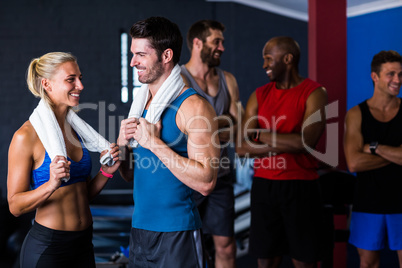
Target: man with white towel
[[171, 150]]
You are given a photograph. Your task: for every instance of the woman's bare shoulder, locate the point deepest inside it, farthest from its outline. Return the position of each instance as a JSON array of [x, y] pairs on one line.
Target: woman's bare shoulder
[[25, 136]]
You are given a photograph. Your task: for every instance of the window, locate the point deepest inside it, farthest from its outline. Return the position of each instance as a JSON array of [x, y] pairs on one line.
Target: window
[[125, 70]]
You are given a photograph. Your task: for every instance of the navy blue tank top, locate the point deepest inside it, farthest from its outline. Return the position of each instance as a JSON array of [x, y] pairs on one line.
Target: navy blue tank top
[[79, 171]]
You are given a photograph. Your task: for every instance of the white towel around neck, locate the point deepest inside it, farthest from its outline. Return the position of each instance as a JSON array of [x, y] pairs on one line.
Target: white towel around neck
[[165, 95], [46, 126]]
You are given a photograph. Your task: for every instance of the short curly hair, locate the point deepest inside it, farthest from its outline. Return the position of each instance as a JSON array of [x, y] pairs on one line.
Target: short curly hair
[[384, 57]]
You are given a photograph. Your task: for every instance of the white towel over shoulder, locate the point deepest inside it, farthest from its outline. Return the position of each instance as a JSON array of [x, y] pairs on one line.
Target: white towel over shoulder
[[165, 95], [46, 126]]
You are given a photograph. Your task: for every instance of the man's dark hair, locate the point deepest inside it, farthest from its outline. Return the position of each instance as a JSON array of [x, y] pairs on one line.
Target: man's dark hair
[[200, 30], [161, 33], [384, 57]]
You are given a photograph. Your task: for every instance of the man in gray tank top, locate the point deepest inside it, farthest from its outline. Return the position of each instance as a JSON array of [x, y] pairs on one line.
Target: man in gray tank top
[[205, 41]]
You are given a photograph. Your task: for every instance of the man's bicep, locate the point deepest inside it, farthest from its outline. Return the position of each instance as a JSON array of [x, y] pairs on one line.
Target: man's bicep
[[236, 108], [251, 112], [202, 147], [353, 140], [233, 87], [313, 129], [202, 131]]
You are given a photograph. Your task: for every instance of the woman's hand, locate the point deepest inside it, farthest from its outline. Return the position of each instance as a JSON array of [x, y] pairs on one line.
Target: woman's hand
[[59, 168], [114, 152]]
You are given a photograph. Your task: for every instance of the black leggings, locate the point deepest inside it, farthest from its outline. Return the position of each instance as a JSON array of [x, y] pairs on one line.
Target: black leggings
[[44, 247]]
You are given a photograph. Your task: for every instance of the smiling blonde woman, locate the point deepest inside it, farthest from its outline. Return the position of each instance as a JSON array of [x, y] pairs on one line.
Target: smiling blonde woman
[[61, 235]]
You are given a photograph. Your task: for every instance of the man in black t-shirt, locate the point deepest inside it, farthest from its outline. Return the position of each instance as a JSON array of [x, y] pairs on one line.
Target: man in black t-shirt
[[373, 149]]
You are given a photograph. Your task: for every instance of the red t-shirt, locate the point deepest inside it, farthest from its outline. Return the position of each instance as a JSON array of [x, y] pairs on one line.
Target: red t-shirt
[[282, 111]]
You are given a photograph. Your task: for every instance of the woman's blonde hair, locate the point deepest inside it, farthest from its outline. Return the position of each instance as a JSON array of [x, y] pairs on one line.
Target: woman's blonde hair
[[45, 67]]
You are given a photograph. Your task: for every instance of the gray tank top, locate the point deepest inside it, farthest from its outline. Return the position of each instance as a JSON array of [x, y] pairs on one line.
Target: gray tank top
[[221, 104]]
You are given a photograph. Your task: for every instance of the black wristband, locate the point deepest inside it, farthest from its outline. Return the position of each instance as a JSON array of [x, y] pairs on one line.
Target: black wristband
[[373, 146]]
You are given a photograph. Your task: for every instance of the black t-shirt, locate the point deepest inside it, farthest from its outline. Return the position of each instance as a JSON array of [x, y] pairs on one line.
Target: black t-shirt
[[380, 190]]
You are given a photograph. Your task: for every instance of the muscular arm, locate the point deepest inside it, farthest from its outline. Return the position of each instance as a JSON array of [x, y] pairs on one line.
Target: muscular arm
[[270, 142], [20, 162], [390, 153], [357, 154], [198, 171], [249, 123], [228, 123]]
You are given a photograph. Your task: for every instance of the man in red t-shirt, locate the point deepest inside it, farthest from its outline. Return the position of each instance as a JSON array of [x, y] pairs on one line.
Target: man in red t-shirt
[[285, 201]]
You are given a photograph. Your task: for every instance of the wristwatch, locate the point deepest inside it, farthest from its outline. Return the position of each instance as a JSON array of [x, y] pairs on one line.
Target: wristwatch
[[373, 146]]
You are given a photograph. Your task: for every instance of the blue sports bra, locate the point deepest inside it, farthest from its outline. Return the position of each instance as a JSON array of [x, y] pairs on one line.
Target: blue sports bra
[[79, 171]]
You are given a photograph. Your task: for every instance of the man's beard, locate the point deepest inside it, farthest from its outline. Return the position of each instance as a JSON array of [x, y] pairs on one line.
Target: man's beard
[[155, 72], [207, 57]]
